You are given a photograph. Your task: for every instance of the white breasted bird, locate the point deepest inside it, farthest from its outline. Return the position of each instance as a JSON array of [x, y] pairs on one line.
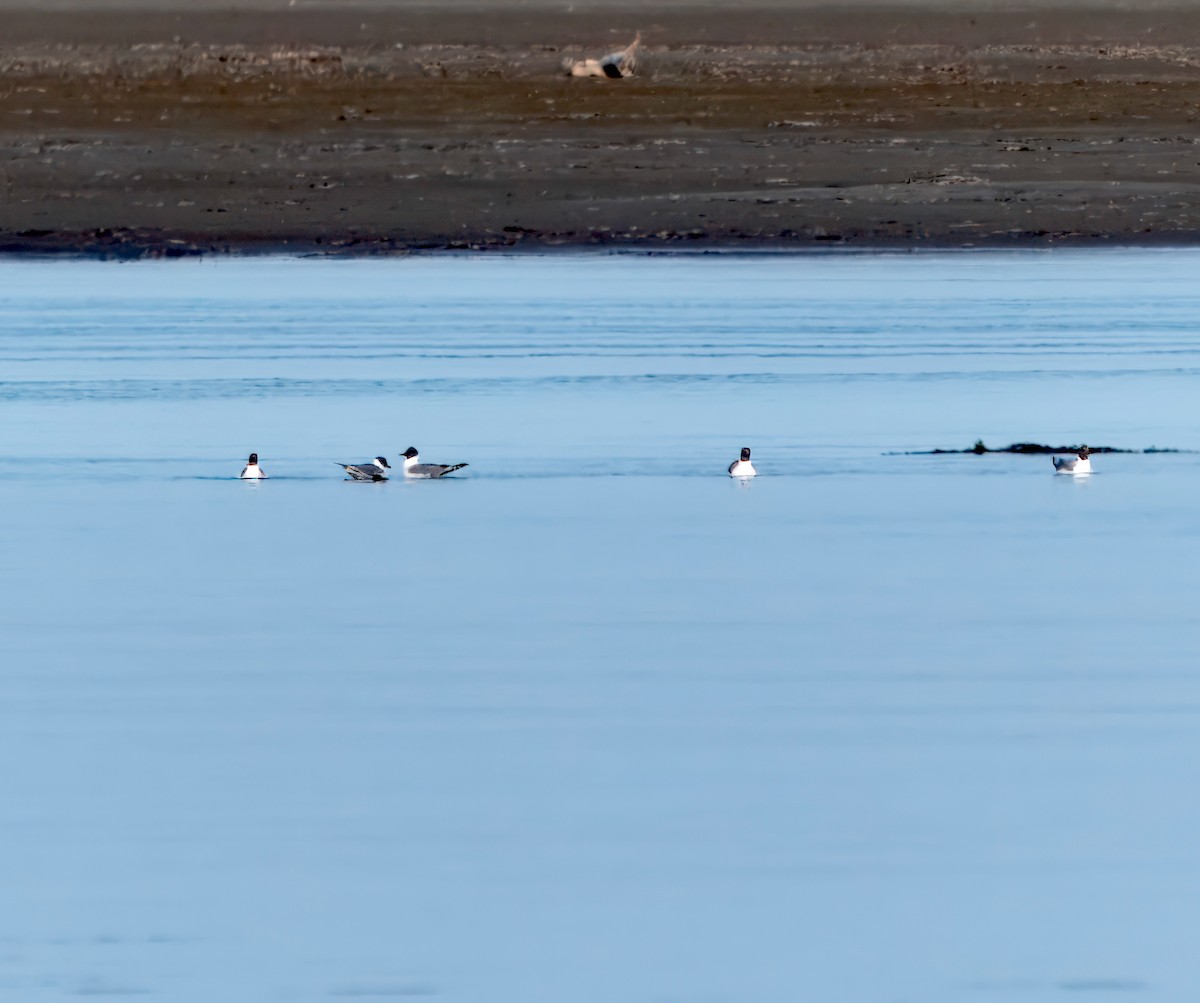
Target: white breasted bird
[[373, 471], [613, 66], [414, 468], [252, 471], [1080, 463], [742, 467]]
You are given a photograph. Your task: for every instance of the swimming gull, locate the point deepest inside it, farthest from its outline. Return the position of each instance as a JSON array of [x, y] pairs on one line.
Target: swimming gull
[[742, 467], [252, 471], [1080, 463], [374, 471], [427, 470]]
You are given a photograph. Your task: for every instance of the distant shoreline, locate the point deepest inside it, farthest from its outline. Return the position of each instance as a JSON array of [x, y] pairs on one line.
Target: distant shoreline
[[66, 247], [383, 129]]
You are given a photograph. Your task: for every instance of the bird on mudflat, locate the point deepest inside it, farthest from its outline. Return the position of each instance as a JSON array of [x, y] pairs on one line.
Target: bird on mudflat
[[373, 471], [614, 66], [1080, 463], [742, 467], [413, 468], [252, 471]]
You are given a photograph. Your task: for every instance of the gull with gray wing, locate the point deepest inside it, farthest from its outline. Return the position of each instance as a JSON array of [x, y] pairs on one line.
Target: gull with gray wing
[[374, 471], [252, 471], [416, 469], [1080, 463], [742, 467]]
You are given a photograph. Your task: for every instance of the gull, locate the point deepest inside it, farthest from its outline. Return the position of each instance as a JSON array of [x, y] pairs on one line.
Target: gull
[[1081, 463], [252, 471], [615, 65], [742, 467], [414, 469], [373, 471]]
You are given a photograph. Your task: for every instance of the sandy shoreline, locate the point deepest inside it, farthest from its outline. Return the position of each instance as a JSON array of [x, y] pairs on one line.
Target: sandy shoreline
[[384, 128]]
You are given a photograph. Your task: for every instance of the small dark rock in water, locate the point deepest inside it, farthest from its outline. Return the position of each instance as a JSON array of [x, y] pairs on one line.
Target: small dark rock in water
[[1035, 448]]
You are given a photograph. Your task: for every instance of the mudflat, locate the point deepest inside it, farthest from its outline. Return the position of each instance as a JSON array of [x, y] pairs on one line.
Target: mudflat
[[157, 128]]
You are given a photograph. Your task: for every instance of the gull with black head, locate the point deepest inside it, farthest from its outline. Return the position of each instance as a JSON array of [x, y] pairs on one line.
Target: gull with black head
[[373, 471], [252, 471], [742, 467], [414, 468], [1080, 463]]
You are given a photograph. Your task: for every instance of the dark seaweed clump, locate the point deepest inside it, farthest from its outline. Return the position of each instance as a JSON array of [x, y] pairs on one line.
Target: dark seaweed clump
[[1036, 448]]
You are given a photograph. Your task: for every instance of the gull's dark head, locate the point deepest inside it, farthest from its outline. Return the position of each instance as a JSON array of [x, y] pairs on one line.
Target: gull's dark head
[[253, 458], [746, 453], [410, 453], [383, 462], [1084, 452]]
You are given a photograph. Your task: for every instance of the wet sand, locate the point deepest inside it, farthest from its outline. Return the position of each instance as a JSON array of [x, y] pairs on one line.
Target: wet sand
[[159, 129]]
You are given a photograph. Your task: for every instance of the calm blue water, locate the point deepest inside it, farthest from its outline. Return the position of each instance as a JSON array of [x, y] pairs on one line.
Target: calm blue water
[[592, 723]]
